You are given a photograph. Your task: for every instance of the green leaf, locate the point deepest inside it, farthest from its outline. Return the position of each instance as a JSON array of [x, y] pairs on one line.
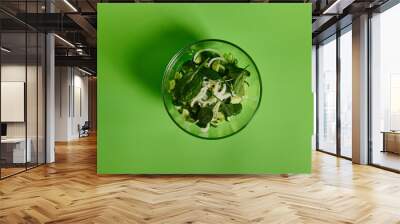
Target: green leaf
[[230, 58], [238, 85], [181, 88], [209, 73], [188, 66], [194, 111], [236, 108], [239, 81], [204, 117], [171, 85], [178, 75], [204, 56], [192, 88], [230, 109], [232, 71], [226, 110]]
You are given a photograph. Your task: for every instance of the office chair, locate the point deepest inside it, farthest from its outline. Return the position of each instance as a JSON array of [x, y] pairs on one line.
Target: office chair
[[84, 130]]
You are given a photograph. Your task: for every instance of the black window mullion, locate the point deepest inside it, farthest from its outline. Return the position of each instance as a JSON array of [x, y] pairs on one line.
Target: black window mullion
[[26, 87], [37, 90], [338, 91], [369, 90], [317, 97]]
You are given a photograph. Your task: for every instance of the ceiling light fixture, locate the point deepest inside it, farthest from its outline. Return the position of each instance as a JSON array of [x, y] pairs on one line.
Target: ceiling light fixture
[[64, 40], [5, 50], [70, 5], [79, 51], [337, 7], [84, 71], [333, 6]]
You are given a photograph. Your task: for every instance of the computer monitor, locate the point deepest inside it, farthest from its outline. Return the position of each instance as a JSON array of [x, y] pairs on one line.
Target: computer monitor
[[3, 129]]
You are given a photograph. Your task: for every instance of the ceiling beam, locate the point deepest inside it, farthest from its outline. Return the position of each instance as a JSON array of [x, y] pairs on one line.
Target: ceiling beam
[[338, 6], [86, 26], [49, 22], [81, 61]]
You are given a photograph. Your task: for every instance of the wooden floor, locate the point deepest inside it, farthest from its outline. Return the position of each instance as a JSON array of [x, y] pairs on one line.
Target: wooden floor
[[5, 172], [69, 191], [386, 159]]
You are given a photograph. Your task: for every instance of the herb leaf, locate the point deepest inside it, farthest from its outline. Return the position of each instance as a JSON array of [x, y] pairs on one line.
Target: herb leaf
[[205, 116]]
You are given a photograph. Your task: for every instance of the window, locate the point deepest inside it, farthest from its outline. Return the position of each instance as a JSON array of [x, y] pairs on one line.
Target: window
[[346, 93], [327, 95], [385, 89]]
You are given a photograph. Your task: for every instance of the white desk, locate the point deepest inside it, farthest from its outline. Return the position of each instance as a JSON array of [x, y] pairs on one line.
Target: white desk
[[18, 144]]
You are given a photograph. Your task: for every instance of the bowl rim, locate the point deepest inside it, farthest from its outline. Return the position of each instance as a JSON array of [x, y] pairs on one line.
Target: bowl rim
[[173, 61]]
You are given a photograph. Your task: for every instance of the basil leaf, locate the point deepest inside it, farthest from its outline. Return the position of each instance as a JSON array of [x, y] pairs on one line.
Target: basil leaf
[[238, 85], [183, 85], [230, 109], [204, 117], [209, 73], [194, 111], [191, 89], [236, 108], [226, 110]]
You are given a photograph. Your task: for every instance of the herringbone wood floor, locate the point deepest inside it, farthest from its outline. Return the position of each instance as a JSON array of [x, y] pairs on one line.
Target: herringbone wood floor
[[69, 191]]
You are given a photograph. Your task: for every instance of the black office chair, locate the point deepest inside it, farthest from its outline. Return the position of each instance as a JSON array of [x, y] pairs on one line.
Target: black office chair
[[84, 130]]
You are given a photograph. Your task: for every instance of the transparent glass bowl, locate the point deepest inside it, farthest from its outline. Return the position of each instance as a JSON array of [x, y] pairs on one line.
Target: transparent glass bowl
[[250, 100]]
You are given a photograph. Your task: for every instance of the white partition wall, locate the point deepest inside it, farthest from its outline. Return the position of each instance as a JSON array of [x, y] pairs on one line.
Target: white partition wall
[[22, 108], [14, 143]]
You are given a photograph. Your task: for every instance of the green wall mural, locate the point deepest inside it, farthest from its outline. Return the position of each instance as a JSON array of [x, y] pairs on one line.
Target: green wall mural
[[135, 44]]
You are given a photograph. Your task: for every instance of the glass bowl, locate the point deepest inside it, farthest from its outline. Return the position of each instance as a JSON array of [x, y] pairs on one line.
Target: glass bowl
[[211, 89]]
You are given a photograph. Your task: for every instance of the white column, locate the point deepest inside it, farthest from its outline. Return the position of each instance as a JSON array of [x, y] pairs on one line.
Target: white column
[[360, 90], [50, 99]]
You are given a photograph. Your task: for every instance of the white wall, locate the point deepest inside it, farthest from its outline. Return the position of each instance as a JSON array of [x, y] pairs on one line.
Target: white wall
[[71, 102], [62, 82], [16, 72], [80, 111]]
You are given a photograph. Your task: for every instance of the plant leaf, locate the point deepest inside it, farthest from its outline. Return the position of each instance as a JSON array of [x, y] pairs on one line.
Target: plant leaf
[[191, 89], [209, 73], [204, 117], [230, 109]]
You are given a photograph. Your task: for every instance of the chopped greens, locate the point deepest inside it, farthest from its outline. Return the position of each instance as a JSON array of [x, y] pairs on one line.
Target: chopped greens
[[209, 88]]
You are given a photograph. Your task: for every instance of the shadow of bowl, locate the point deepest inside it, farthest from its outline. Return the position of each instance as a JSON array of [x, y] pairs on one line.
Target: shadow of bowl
[[151, 58]]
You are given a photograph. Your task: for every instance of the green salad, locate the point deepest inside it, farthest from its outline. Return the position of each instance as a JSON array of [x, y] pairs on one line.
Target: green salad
[[209, 88]]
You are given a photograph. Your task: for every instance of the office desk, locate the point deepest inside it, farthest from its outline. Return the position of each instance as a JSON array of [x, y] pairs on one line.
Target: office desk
[[391, 141], [13, 150]]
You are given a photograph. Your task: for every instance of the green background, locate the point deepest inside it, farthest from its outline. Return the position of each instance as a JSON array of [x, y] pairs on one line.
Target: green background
[[135, 133]]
